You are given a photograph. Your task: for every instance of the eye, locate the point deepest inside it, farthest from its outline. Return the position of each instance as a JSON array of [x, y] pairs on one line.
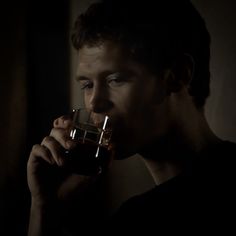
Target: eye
[[87, 84], [115, 80]]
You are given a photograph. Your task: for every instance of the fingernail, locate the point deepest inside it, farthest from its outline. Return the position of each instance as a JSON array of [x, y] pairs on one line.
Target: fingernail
[[66, 121]]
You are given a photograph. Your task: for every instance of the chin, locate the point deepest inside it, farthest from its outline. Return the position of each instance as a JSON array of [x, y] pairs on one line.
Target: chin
[[123, 143]]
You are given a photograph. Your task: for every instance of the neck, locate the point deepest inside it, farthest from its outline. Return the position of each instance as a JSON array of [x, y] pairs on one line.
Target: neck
[[166, 157]]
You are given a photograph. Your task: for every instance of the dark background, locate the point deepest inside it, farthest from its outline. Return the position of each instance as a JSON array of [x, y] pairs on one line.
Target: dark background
[[36, 72], [34, 89]]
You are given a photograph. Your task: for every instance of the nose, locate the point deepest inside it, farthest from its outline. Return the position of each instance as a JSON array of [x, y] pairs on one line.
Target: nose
[[99, 101]]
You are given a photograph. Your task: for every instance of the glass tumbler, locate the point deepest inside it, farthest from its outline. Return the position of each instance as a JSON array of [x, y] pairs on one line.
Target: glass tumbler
[[92, 152]]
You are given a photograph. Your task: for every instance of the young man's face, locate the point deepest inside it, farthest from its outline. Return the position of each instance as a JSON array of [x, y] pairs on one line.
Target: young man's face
[[115, 85]]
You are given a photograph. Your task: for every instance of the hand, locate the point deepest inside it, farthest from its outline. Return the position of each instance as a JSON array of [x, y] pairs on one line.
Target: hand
[[47, 179]]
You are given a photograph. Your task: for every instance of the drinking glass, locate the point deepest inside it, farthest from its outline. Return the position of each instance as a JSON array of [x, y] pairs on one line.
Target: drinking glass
[[91, 153]]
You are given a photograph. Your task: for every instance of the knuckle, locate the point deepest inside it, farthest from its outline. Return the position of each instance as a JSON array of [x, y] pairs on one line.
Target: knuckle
[[61, 135], [53, 131], [56, 133], [35, 148], [47, 139]]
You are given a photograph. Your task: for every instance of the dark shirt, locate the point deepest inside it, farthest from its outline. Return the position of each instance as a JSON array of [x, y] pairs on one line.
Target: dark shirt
[[201, 200]]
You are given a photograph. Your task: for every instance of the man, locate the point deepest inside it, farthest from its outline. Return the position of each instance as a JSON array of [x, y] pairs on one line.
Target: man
[[147, 67]]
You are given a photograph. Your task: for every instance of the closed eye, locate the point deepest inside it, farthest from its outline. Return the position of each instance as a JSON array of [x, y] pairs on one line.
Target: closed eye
[[86, 84], [116, 80]]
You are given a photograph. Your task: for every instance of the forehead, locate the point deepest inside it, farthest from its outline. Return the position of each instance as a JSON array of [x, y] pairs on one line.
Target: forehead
[[108, 56], [105, 55]]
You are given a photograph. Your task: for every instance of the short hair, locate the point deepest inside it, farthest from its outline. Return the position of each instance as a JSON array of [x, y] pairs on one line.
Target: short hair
[[156, 33]]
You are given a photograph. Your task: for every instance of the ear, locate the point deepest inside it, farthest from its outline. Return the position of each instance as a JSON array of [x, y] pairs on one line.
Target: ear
[[180, 74]]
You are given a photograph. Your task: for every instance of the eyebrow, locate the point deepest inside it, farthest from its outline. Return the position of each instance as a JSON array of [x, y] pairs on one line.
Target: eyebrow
[[103, 74], [81, 78]]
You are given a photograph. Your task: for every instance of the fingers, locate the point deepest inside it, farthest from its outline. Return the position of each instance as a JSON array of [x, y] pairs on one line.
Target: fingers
[[42, 152], [62, 136], [52, 147], [64, 122], [55, 149]]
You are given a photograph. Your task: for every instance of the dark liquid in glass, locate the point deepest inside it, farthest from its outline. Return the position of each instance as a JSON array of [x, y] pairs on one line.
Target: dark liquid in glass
[[82, 159]]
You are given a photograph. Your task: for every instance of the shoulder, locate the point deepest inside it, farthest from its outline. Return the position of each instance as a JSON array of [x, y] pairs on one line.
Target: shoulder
[[152, 206], [139, 202], [138, 213], [205, 190]]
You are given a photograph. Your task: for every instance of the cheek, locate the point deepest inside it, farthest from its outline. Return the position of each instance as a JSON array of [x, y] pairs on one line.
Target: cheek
[[86, 101], [87, 98], [129, 111], [126, 99]]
